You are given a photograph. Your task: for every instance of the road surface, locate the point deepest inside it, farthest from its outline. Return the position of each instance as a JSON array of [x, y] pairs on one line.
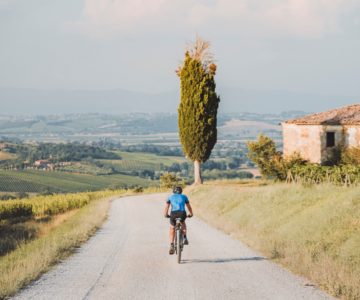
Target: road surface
[[128, 259]]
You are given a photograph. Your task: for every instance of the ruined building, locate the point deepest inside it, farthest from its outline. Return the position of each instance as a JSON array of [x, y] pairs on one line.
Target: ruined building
[[315, 136]]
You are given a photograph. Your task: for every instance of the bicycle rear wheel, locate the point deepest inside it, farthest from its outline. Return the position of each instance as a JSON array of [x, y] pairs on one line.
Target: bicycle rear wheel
[[179, 245]]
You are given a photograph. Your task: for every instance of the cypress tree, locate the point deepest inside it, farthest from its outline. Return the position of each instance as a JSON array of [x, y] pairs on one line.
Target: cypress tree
[[197, 112]]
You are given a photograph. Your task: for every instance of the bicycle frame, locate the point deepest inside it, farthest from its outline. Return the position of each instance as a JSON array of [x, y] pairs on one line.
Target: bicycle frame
[[179, 243]]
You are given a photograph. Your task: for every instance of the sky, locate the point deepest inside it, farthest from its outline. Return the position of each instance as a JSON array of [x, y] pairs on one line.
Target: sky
[[308, 46]]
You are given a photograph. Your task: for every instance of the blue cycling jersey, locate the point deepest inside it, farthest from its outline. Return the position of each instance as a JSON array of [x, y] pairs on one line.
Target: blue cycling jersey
[[178, 202]]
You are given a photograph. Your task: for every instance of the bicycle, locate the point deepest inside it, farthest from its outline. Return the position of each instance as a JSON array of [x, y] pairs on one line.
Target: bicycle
[[179, 238]]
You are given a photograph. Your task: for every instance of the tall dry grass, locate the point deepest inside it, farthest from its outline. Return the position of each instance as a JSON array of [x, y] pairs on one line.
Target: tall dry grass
[[314, 231]]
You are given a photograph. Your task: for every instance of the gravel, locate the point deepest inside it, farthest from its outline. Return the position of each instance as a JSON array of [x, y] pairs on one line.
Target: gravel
[[128, 259]]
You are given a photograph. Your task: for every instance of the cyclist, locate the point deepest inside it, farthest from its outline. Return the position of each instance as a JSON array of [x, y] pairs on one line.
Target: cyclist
[[177, 201]]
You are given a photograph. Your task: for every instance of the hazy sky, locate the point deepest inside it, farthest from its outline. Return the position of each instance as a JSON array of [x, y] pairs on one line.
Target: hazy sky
[[296, 45]]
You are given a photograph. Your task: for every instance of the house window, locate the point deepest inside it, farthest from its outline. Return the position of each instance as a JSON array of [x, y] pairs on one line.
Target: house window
[[330, 139]]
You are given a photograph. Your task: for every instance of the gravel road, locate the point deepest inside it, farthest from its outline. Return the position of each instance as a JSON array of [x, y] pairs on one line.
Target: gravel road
[[128, 259]]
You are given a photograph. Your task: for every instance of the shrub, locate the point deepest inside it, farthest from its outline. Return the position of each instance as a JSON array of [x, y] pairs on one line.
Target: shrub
[[169, 180], [315, 174], [15, 209], [351, 156], [48, 205], [264, 154], [138, 189], [294, 169]]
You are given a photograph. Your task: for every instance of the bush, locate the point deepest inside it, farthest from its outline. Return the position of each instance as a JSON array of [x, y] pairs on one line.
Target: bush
[[48, 205], [138, 189], [264, 154], [295, 169], [15, 209], [169, 180], [351, 156], [315, 174]]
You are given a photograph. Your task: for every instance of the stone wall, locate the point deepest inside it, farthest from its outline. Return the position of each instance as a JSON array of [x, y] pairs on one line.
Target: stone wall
[[352, 135], [310, 140], [304, 140]]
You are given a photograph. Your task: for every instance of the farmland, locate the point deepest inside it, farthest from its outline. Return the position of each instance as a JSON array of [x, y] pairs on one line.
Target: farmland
[[34, 181], [142, 161]]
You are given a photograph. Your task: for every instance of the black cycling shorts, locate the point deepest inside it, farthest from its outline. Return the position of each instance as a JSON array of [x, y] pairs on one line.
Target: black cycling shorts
[[177, 214]]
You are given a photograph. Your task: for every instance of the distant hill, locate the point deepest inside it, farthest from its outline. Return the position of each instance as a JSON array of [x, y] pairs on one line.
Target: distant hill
[[31, 101], [233, 100]]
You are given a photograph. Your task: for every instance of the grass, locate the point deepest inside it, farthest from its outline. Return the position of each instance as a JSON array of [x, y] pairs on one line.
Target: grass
[[38, 181], [39, 243], [314, 231]]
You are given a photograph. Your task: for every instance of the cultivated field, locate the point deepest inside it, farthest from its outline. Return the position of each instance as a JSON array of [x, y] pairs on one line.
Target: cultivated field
[[132, 161], [40, 181], [314, 231]]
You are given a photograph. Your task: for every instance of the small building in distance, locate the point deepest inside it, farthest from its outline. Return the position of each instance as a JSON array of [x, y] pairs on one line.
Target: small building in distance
[[43, 165], [315, 136]]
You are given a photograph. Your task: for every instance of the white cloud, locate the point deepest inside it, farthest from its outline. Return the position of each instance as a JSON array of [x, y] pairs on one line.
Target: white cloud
[[304, 18]]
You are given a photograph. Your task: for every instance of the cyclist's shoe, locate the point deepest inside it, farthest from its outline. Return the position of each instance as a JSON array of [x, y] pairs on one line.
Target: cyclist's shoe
[[172, 249], [186, 241]]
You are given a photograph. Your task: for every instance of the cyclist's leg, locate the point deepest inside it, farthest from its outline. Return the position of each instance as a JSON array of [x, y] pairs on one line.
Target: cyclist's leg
[[171, 234], [172, 227]]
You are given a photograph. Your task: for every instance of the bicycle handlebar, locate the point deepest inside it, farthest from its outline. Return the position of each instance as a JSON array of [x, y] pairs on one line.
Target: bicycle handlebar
[[189, 216]]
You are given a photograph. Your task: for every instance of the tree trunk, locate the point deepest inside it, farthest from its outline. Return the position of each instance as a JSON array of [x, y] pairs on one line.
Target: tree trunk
[[197, 172]]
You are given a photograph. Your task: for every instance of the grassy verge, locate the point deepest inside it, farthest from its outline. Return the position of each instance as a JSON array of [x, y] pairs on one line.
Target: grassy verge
[[313, 231], [44, 241]]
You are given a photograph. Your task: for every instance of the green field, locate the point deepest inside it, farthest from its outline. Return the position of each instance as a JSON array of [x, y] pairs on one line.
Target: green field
[[39, 181], [132, 161], [85, 176]]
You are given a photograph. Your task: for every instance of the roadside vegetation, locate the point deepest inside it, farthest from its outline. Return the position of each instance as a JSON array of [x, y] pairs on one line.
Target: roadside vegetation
[[312, 230], [341, 168], [36, 233]]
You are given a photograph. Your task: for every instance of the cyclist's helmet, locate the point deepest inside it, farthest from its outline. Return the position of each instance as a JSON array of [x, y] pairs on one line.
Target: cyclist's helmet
[[177, 190]]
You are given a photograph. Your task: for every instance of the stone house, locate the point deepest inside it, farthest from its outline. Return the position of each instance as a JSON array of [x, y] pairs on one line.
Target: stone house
[[315, 136]]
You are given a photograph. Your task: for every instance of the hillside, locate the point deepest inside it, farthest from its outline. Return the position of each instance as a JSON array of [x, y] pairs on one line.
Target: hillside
[[233, 100], [314, 231], [42, 168]]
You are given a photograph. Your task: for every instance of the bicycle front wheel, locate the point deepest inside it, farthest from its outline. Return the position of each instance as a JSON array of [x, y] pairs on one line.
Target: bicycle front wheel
[[178, 245]]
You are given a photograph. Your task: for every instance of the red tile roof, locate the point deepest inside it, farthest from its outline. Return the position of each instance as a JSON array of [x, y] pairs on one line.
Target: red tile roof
[[347, 115]]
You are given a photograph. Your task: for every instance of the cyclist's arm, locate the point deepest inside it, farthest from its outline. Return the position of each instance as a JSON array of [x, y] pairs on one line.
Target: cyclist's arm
[[166, 210], [189, 208]]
